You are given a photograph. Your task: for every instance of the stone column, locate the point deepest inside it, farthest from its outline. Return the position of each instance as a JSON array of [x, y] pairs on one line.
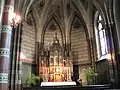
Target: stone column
[[5, 42], [19, 87], [19, 74], [37, 56], [15, 58], [15, 72]]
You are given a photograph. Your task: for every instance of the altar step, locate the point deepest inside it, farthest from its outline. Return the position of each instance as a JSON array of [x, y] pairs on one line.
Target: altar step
[[91, 87]]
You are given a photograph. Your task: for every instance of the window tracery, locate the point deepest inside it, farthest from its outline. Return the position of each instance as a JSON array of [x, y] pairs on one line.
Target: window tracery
[[100, 35]]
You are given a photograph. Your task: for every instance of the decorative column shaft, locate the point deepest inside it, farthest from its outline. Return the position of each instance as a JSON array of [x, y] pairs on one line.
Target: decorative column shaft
[[19, 68], [15, 59], [19, 74], [12, 60], [15, 74], [5, 42], [37, 56]]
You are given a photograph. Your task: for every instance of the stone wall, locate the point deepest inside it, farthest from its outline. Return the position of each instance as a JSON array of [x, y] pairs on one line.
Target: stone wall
[[27, 50], [28, 44], [82, 73], [49, 35], [79, 46], [103, 71], [80, 52], [26, 70]]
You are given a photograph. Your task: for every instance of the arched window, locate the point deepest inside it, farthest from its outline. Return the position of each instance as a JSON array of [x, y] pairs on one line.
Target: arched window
[[100, 34]]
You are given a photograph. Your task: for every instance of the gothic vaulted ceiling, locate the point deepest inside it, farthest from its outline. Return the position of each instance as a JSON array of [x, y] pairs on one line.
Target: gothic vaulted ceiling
[[41, 12]]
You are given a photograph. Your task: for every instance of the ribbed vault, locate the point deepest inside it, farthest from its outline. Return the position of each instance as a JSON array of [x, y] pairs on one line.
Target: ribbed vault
[[62, 10]]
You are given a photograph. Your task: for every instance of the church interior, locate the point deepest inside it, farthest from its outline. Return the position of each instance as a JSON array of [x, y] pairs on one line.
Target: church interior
[[59, 41]]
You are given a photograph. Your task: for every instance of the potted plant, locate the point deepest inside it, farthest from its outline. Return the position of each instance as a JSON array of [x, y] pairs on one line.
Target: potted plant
[[33, 80], [90, 75]]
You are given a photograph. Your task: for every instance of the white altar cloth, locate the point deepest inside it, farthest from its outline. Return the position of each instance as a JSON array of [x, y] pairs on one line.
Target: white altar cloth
[[57, 83]]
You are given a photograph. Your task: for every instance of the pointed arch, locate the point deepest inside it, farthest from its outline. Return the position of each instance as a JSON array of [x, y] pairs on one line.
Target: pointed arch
[[100, 9], [57, 21], [79, 39], [80, 8], [44, 16], [83, 23]]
